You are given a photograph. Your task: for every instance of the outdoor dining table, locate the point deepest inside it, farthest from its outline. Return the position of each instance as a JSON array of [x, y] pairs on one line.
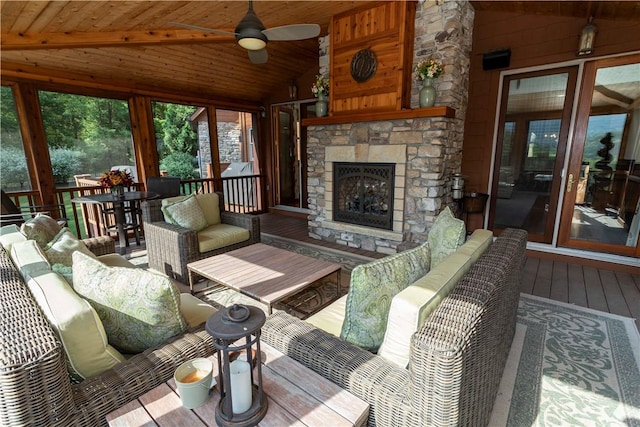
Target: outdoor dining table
[[118, 203]]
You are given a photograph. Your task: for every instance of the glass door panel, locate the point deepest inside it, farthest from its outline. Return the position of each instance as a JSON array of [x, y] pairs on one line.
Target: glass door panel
[[601, 210], [535, 114]]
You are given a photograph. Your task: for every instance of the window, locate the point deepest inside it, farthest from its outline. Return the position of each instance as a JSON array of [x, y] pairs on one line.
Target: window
[[182, 139], [86, 136], [13, 164]]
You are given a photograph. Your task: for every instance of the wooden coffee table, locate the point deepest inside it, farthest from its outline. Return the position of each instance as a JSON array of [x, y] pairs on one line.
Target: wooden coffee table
[[263, 272], [297, 396]]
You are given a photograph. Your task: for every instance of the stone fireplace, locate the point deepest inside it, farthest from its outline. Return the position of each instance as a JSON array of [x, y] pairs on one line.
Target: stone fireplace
[[424, 149]]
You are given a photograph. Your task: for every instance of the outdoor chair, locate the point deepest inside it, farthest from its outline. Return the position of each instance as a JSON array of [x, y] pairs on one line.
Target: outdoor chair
[[12, 214], [164, 186], [171, 247]]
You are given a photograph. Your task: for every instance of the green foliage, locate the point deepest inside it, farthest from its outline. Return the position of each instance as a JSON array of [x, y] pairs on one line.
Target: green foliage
[[65, 163], [62, 117], [174, 129], [179, 164], [13, 167]]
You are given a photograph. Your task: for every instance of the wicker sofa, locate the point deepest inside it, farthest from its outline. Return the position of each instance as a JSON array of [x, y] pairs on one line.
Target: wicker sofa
[[171, 247], [456, 359], [35, 386]]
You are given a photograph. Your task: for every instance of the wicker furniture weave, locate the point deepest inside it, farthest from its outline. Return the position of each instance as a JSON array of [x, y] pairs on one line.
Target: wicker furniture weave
[[35, 389], [171, 247], [457, 357]]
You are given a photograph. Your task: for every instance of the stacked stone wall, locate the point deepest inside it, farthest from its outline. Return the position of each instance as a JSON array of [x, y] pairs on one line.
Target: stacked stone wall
[[434, 145]]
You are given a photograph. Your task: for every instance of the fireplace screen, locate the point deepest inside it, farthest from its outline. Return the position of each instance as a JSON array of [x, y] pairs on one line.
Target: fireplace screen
[[363, 194]]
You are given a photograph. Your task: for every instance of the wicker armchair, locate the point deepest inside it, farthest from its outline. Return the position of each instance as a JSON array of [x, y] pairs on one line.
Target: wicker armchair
[[35, 389], [171, 247], [457, 357]]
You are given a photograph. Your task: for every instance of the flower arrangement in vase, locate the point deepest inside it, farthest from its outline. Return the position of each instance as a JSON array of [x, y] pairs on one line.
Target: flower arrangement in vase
[[116, 180], [426, 71], [320, 89]]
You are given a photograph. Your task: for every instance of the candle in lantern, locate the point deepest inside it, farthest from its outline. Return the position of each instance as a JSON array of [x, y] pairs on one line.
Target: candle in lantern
[[240, 386]]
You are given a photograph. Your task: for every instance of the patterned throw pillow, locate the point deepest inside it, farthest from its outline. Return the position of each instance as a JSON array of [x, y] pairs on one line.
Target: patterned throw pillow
[[446, 235], [41, 228], [139, 309], [185, 213], [62, 246], [373, 286]]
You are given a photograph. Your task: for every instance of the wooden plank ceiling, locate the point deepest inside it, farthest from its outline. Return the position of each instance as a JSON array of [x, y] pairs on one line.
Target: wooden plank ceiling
[[132, 43]]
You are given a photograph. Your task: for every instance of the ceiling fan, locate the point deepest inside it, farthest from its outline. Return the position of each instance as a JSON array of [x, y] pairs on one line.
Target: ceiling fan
[[251, 34]]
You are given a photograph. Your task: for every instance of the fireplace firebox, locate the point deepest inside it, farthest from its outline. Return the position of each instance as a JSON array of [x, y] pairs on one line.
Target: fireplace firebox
[[363, 194]]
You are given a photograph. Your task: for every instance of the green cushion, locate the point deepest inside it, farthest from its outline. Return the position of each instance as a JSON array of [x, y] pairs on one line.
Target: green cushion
[[194, 310], [61, 248], [138, 308], [83, 337], [373, 286], [446, 235], [210, 206], [185, 213], [221, 235], [41, 228]]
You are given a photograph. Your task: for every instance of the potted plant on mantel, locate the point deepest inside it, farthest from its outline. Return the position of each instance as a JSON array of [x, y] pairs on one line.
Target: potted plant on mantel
[[320, 89], [426, 71]]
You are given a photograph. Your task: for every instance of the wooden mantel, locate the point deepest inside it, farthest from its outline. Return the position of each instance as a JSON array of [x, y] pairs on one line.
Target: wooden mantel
[[440, 111]]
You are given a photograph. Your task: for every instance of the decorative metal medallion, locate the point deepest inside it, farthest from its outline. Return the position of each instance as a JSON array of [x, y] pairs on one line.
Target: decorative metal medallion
[[363, 65]]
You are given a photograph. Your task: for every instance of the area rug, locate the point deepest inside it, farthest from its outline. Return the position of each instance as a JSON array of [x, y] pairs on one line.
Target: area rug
[[570, 366]]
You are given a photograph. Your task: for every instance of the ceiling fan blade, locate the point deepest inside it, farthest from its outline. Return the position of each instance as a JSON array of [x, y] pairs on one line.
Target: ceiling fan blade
[[258, 56], [206, 30], [292, 32]]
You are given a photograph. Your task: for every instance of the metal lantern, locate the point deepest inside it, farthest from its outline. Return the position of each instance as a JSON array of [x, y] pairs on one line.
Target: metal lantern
[[457, 186], [242, 398], [587, 38]]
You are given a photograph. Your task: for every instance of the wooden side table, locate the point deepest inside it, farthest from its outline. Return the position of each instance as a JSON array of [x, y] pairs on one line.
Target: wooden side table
[[297, 396]]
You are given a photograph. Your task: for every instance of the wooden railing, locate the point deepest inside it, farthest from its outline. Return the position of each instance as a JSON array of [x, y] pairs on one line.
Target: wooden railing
[[242, 195]]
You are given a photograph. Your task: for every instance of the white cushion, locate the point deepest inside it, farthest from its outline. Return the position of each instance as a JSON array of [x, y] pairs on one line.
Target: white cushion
[[61, 248], [78, 325], [10, 234], [330, 318], [194, 310], [412, 306]]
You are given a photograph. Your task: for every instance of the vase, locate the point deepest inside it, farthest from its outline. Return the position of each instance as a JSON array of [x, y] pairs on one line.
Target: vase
[[427, 93], [321, 105], [117, 191]]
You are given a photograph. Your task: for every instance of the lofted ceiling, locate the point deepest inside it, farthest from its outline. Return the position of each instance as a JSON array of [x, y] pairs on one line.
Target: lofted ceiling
[[132, 43]]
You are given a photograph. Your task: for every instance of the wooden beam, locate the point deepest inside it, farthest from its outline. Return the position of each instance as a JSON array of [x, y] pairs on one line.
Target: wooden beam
[[77, 39]]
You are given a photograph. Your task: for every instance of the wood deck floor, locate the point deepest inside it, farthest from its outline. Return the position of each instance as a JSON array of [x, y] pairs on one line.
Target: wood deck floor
[[609, 287]]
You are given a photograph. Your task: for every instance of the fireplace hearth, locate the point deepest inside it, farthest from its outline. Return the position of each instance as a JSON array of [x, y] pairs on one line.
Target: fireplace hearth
[[363, 194]]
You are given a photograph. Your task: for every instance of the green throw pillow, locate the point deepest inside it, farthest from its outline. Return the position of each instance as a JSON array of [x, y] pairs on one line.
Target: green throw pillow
[[41, 228], [139, 309], [446, 235], [185, 213], [373, 286], [61, 248]]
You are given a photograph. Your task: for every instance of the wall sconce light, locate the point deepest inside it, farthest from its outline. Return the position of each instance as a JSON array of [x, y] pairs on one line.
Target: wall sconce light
[[587, 38], [293, 90]]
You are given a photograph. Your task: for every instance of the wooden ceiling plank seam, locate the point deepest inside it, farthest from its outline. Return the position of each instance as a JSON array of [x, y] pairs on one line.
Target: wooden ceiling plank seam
[[52, 78], [75, 40], [47, 16], [24, 19]]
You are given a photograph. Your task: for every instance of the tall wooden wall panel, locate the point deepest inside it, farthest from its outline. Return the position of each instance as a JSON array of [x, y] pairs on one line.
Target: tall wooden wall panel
[[387, 30]]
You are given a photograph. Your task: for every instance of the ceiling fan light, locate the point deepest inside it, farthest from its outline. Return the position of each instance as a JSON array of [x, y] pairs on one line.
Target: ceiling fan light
[[252, 43]]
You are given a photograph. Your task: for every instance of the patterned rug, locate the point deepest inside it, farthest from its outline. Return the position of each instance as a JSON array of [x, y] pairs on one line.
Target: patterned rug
[[305, 303], [570, 366]]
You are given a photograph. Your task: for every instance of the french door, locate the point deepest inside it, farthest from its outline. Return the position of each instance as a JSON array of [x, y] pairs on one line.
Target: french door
[[601, 208], [535, 114]]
